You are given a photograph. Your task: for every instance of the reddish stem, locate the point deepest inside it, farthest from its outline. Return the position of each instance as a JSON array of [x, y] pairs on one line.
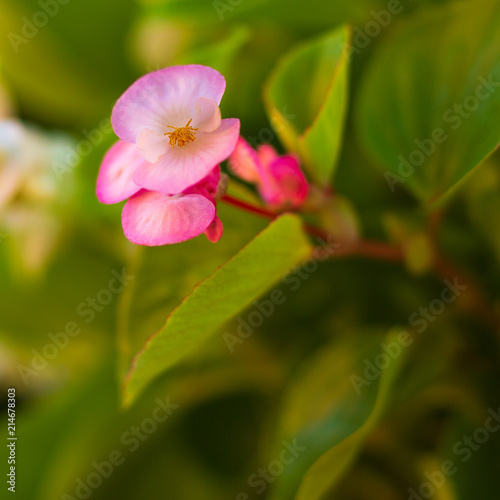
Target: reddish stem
[[478, 304], [364, 248], [378, 250], [476, 301], [230, 200]]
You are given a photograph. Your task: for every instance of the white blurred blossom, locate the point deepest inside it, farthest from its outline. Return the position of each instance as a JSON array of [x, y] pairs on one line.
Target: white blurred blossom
[[6, 108], [31, 196]]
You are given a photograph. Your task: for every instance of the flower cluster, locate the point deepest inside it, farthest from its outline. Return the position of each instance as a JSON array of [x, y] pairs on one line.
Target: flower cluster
[[279, 179], [166, 163]]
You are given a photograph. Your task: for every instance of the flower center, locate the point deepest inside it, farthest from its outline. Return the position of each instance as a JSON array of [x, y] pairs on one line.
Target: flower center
[[181, 135]]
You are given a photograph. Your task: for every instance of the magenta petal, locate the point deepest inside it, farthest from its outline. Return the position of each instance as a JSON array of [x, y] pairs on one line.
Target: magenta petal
[[165, 97], [208, 186], [182, 167], [244, 162], [152, 219], [214, 231], [287, 183], [114, 182]]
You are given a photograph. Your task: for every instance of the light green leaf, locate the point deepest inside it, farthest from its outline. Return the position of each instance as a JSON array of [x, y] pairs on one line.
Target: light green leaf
[[218, 298], [306, 100], [429, 106], [165, 275], [330, 411]]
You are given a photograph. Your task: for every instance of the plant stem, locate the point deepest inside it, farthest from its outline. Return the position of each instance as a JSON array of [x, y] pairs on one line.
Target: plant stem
[[478, 303], [365, 248], [230, 200], [377, 250]]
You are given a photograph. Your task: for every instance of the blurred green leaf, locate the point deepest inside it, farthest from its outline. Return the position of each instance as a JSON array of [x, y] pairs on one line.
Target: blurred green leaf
[[428, 109], [468, 458], [66, 62], [331, 409], [306, 100], [219, 55], [295, 16], [55, 424], [218, 298], [483, 204], [64, 425]]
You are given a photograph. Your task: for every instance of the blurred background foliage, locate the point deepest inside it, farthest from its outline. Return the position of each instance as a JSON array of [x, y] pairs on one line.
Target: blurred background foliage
[[292, 378]]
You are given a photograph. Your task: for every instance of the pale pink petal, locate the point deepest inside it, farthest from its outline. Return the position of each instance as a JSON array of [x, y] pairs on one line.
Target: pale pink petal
[[244, 162], [266, 154], [152, 219], [214, 231], [207, 117], [182, 167], [165, 97], [152, 145], [114, 182]]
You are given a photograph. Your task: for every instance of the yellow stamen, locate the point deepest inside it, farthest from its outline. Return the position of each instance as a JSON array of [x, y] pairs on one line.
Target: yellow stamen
[[181, 135]]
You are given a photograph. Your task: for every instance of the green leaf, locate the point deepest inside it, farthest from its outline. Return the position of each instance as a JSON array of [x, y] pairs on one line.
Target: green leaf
[[165, 275], [330, 412], [218, 298], [306, 100], [429, 106]]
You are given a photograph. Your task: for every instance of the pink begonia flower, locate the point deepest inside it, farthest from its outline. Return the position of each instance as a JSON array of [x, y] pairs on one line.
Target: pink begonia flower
[[114, 182], [151, 217], [279, 179], [172, 117]]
